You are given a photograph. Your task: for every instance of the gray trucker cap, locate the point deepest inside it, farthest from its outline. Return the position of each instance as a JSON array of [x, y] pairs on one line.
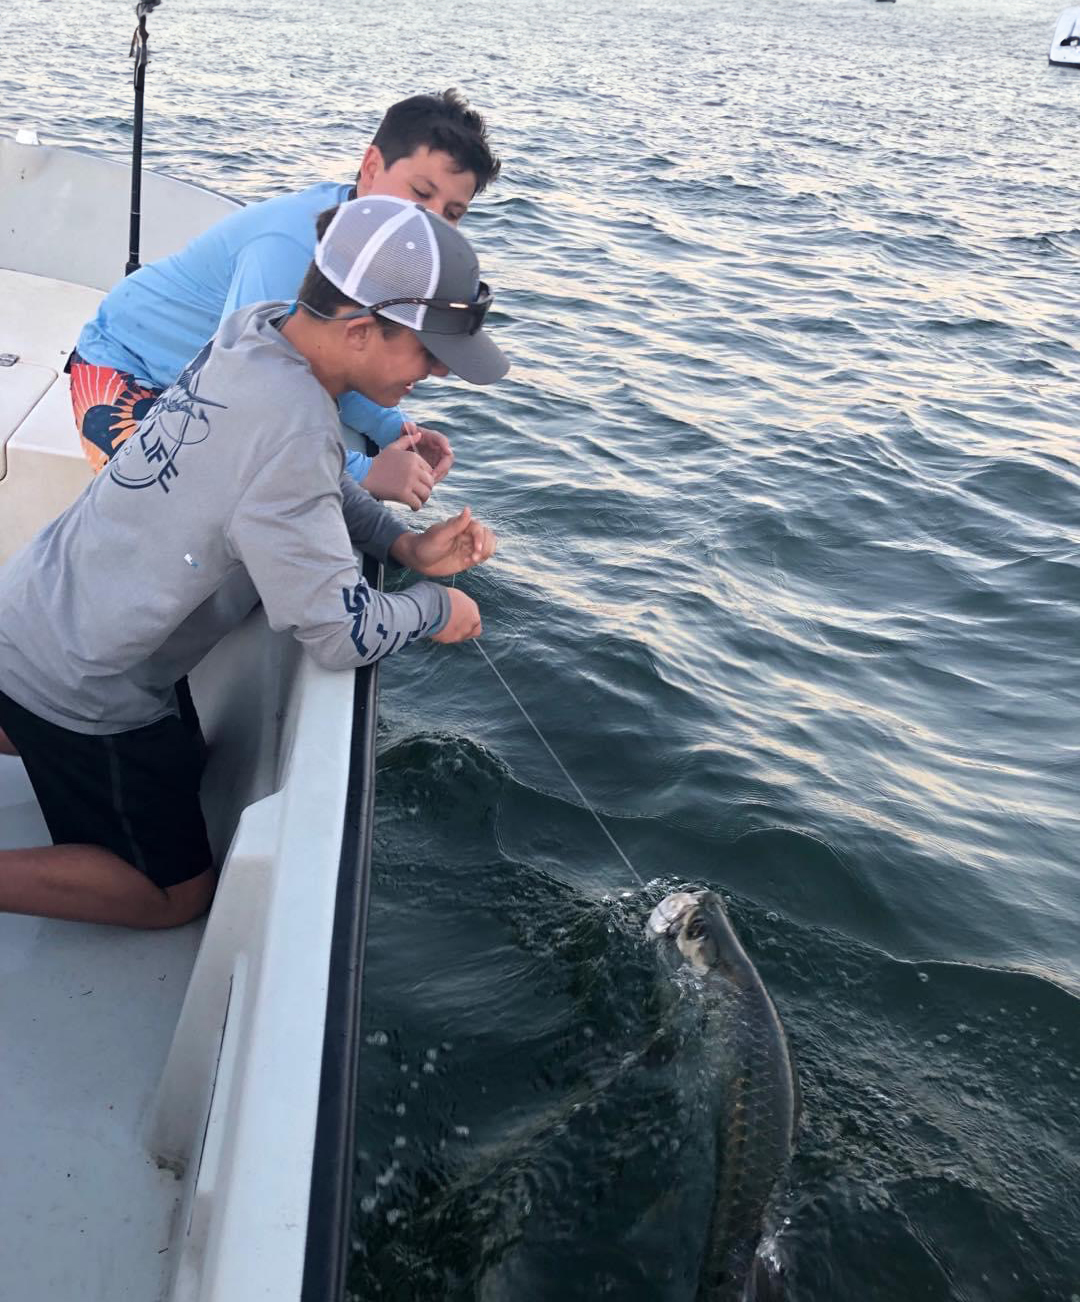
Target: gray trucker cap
[[379, 250]]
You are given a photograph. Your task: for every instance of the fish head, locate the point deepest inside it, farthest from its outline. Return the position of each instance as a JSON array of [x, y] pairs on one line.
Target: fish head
[[685, 920], [666, 918]]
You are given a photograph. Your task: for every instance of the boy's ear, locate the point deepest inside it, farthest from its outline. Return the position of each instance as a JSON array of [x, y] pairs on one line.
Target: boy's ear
[[358, 333], [370, 166]]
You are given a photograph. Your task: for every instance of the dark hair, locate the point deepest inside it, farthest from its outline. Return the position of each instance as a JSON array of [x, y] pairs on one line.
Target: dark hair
[[444, 122], [318, 293]]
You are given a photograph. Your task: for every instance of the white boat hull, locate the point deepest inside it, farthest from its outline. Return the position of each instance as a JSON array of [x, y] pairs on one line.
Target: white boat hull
[[162, 1090], [1065, 44]]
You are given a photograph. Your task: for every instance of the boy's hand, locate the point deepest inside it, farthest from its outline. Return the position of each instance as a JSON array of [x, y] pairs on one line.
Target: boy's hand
[[397, 474], [433, 447], [464, 621], [447, 548]]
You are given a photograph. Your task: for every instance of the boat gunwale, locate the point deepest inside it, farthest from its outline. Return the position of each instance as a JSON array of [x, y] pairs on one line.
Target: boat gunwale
[[327, 1246]]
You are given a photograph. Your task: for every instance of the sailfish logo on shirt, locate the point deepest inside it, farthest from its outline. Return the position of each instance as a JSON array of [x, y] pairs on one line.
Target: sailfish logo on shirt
[[177, 419]]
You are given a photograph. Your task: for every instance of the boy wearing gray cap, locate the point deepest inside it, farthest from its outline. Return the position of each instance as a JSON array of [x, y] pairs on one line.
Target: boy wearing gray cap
[[231, 490]]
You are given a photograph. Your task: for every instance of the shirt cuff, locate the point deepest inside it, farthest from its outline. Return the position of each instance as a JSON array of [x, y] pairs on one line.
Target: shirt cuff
[[357, 465]]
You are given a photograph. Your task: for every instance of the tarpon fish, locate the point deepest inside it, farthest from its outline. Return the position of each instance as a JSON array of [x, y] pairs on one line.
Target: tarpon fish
[[753, 1082]]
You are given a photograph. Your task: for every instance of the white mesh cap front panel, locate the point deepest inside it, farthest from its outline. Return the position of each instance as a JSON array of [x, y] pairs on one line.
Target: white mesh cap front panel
[[377, 248]]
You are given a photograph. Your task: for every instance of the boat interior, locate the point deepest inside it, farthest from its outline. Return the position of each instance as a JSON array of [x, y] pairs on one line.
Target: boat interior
[[143, 1072]]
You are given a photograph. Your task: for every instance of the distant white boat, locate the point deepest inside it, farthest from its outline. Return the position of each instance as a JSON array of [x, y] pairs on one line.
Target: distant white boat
[[177, 1105], [1065, 46]]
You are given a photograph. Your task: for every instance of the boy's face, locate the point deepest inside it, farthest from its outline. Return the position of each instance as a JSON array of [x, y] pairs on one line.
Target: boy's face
[[427, 176], [386, 367]]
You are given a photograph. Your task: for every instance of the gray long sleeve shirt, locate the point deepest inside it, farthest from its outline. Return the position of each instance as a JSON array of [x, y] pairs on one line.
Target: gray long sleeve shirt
[[231, 490]]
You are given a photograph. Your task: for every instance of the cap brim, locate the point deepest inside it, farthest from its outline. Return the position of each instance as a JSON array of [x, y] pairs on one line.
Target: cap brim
[[474, 358]]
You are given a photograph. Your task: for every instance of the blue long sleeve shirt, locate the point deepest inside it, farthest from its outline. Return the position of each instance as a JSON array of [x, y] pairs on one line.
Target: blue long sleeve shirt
[[154, 322]]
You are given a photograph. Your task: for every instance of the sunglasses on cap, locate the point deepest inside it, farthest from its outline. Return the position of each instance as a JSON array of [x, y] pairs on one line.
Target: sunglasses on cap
[[471, 318]]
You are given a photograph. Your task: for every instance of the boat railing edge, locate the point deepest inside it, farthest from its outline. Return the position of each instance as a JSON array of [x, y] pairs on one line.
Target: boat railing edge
[[329, 1233], [246, 1058]]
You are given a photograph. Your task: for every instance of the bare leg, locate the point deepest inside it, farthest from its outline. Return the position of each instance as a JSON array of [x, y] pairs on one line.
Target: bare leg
[[6, 748], [84, 883]]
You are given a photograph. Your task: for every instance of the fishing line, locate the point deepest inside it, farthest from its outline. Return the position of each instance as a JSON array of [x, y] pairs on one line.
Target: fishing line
[[581, 795]]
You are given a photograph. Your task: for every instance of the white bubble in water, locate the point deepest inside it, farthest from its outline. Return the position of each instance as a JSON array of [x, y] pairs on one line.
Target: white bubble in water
[[367, 1203], [400, 1141], [404, 1067], [414, 1084], [447, 1047], [379, 1038], [429, 1068], [399, 1108], [462, 1132], [431, 1055], [384, 1177], [772, 916], [924, 976], [394, 1215]]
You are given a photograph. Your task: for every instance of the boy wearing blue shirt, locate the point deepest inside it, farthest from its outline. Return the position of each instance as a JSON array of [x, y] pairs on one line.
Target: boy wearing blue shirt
[[429, 149]]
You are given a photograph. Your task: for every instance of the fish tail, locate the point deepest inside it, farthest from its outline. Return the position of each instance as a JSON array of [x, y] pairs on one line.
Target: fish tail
[[765, 1283]]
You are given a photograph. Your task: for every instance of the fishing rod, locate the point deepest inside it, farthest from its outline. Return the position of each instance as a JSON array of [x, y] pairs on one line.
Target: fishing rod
[[140, 53]]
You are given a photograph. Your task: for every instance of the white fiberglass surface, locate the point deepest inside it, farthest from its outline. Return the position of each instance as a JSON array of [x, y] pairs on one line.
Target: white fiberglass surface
[[86, 1017], [41, 463], [1067, 31], [42, 317]]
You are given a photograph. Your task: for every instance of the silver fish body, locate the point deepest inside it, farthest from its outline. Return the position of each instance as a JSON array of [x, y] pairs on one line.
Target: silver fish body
[[753, 1093]]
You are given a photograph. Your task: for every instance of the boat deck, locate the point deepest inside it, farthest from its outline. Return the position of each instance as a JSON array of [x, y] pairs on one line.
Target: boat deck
[[88, 1013]]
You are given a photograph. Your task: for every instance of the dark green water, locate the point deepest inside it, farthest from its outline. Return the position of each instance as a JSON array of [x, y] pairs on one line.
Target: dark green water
[[786, 485]]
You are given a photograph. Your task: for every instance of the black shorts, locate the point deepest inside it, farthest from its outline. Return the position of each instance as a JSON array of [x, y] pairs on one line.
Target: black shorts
[[134, 793]]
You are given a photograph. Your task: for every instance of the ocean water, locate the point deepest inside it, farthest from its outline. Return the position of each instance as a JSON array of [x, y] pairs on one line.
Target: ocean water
[[787, 489]]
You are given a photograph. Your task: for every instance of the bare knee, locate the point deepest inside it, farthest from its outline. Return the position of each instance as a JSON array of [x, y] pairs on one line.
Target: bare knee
[[185, 902]]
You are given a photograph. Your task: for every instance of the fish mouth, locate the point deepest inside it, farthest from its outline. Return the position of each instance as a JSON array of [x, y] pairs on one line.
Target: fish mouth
[[667, 917]]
